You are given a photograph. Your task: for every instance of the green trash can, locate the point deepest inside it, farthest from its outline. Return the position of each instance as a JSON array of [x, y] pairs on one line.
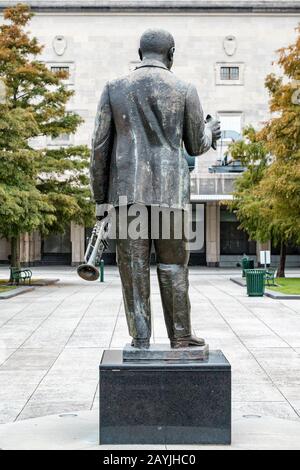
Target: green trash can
[[255, 279], [247, 263]]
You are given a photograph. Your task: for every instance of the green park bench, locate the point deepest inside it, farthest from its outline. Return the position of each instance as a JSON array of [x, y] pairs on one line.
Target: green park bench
[[270, 276], [20, 275]]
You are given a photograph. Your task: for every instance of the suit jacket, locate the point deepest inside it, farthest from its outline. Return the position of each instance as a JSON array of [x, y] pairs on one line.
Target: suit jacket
[[143, 122]]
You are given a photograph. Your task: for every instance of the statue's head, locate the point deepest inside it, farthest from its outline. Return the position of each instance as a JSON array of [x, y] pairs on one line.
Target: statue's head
[[157, 44]]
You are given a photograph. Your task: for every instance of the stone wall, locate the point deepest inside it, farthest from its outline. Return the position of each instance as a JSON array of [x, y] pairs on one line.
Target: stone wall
[[101, 46]]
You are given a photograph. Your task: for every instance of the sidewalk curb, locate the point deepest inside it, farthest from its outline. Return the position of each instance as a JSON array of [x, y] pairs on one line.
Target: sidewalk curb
[[239, 281], [15, 292], [275, 295], [44, 282], [23, 289]]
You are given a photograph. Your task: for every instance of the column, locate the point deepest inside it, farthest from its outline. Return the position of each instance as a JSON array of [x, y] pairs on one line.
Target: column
[[35, 244], [30, 248], [212, 234], [78, 245]]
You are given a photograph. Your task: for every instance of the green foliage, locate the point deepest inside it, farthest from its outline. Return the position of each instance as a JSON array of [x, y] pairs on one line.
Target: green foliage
[[281, 135], [247, 205], [267, 195], [40, 188]]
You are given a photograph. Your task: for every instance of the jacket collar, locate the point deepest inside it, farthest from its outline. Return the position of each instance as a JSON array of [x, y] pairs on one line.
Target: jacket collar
[[152, 63]]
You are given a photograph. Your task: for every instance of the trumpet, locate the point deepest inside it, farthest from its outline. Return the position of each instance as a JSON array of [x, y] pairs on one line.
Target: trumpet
[[96, 246]]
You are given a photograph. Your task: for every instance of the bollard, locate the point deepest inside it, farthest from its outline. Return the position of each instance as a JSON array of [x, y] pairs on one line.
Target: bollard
[[101, 276]]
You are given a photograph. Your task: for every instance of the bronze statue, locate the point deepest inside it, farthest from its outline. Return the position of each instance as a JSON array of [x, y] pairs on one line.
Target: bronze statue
[[143, 123]]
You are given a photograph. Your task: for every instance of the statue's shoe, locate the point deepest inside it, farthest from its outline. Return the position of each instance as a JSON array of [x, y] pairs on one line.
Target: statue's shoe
[[187, 341], [140, 343]]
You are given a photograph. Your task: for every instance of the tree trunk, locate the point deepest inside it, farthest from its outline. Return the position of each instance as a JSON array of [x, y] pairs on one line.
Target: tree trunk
[[281, 268], [15, 252]]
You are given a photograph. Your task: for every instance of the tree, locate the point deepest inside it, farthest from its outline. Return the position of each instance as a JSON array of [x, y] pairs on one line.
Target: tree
[[267, 196], [248, 206], [281, 134], [40, 188]]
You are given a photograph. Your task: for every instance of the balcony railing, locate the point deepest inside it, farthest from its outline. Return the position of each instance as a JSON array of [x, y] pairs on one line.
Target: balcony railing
[[213, 184]]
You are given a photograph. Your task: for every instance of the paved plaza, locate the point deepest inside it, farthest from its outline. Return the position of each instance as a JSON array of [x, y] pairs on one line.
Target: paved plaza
[[51, 340]]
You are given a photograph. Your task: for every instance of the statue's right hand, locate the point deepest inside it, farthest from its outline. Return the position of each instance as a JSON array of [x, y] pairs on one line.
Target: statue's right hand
[[215, 126]]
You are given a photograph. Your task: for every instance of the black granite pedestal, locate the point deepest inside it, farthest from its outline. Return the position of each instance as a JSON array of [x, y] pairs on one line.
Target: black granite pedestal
[[165, 402]]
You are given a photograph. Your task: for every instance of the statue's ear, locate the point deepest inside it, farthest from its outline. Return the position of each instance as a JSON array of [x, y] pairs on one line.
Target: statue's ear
[[140, 54], [171, 53]]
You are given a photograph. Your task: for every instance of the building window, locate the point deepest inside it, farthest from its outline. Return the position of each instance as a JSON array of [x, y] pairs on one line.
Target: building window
[[290, 249], [231, 130], [229, 73], [60, 68], [231, 125], [234, 241], [57, 248], [68, 67]]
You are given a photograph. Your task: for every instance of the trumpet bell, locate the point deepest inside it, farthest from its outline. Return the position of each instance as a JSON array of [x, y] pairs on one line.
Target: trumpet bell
[[88, 272]]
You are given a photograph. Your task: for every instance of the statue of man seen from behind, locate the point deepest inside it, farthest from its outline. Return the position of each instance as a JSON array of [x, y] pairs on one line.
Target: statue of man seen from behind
[[145, 122]]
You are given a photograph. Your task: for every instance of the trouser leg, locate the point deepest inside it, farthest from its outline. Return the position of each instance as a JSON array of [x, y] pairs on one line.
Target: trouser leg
[[173, 282], [172, 269], [133, 258]]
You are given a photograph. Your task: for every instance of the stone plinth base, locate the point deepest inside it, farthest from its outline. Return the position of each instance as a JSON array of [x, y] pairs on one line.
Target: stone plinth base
[[163, 352], [162, 402]]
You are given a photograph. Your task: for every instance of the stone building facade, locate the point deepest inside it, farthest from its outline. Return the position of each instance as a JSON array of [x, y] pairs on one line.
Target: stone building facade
[[225, 48]]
